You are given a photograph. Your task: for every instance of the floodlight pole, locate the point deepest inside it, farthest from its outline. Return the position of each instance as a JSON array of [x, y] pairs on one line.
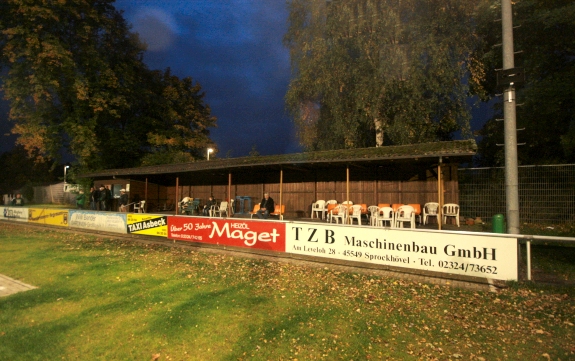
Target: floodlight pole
[[510, 127], [209, 151], [65, 169]]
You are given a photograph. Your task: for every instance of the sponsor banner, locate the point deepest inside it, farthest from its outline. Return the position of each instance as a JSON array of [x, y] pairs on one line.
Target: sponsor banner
[[148, 224], [470, 255], [238, 233], [100, 221], [54, 217], [14, 214]]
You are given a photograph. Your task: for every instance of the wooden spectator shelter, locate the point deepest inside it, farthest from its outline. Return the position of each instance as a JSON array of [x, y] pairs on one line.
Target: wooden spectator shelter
[[417, 173]]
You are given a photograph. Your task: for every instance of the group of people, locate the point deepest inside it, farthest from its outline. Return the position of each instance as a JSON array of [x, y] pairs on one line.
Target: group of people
[[187, 201], [267, 206], [18, 201], [101, 199]]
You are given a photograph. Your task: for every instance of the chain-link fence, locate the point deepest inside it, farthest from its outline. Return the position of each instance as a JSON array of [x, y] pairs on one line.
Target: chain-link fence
[[546, 193]]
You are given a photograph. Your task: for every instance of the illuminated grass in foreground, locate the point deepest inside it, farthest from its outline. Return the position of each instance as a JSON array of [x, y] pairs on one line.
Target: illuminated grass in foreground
[[101, 299]]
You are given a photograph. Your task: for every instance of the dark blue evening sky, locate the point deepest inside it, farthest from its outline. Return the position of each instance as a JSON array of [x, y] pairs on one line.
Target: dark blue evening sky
[[234, 49]]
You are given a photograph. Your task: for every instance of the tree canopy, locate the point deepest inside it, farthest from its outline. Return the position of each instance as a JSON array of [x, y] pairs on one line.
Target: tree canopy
[[76, 82], [375, 72], [544, 40]]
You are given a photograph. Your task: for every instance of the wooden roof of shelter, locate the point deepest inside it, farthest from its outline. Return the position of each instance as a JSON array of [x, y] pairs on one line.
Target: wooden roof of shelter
[[422, 154]]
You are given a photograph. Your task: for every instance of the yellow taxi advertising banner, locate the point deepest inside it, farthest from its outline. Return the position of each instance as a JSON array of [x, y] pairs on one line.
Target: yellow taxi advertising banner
[[148, 224], [54, 217]]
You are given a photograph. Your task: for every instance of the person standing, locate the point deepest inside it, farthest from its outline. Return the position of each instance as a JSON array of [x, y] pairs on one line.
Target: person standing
[[102, 197], [109, 198], [123, 201], [266, 207], [80, 200], [94, 198]]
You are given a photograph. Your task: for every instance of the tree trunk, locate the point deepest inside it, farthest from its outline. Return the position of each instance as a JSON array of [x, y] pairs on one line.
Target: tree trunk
[[378, 132]]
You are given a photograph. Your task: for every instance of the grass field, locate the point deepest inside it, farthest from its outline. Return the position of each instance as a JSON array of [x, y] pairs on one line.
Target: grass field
[[103, 299]]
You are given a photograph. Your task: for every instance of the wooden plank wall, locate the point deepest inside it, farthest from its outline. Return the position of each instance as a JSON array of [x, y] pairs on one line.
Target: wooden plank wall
[[298, 196], [155, 197]]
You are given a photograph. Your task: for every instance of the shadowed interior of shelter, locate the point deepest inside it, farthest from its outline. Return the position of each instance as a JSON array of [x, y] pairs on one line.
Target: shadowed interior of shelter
[[296, 181]]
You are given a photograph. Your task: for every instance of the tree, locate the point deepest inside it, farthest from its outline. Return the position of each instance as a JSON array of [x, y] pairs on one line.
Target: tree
[[182, 121], [546, 102], [254, 152], [369, 72], [76, 82], [68, 64]]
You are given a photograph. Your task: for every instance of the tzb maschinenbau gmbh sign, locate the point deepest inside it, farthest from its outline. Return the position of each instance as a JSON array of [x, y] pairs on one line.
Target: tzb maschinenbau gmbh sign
[[470, 255]]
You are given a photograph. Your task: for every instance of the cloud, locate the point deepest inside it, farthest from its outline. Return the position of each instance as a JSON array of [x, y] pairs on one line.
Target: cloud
[[155, 27]]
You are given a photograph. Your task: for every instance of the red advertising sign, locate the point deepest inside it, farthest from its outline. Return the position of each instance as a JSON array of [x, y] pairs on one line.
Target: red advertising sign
[[229, 232]]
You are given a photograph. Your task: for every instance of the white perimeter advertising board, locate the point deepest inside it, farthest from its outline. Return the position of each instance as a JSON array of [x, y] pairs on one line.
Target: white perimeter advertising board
[[14, 214], [470, 255], [100, 221]]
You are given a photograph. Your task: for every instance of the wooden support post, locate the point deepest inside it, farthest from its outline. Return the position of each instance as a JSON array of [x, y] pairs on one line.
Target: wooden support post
[[177, 195], [375, 190], [347, 184], [439, 195], [229, 194], [314, 193], [281, 191]]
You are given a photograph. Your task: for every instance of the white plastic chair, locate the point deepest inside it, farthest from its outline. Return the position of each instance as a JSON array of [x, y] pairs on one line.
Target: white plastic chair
[[139, 207], [347, 203], [339, 212], [430, 210], [317, 208], [219, 210], [355, 214], [405, 213], [385, 214], [332, 203], [373, 210], [450, 210]]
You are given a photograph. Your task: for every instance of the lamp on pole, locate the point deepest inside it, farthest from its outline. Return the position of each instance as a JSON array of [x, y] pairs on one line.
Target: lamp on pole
[[210, 150], [65, 169]]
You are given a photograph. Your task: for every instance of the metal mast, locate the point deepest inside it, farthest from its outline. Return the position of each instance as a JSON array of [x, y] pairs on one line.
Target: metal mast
[[510, 127]]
